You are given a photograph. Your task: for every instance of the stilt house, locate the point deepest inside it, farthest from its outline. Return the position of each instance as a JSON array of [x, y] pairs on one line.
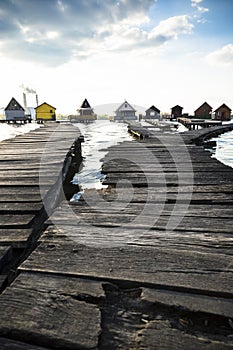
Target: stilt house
[[203, 112], [85, 113], [223, 113], [14, 111], [125, 112], [152, 113], [45, 112], [176, 112]]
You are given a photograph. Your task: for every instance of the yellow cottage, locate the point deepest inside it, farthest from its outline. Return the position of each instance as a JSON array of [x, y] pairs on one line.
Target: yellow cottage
[[45, 112]]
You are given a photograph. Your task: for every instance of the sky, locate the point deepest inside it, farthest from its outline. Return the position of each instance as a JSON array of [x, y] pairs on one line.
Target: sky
[[149, 52]]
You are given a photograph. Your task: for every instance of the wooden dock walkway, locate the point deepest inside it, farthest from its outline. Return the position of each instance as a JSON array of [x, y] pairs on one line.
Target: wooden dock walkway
[[193, 123], [27, 176], [145, 263]]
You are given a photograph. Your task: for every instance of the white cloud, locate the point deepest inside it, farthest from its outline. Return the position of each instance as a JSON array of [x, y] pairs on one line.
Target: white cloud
[[61, 6], [172, 27], [73, 25], [202, 9], [52, 34], [223, 56], [123, 37], [195, 3], [80, 29]]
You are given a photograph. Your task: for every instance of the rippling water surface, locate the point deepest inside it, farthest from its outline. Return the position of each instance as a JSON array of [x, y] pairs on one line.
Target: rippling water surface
[[98, 136], [224, 148]]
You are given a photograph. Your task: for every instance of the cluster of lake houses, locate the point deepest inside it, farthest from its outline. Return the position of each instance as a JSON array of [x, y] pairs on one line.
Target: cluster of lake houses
[[14, 112]]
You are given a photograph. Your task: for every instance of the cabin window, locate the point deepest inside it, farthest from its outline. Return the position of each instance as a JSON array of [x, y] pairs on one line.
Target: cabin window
[[51, 111], [125, 105]]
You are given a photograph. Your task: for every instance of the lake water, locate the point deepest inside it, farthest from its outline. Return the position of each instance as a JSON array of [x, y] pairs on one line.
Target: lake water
[[8, 131], [98, 136], [224, 148]]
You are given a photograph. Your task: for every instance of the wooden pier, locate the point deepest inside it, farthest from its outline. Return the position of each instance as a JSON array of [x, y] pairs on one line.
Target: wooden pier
[[104, 274], [193, 124], [28, 179]]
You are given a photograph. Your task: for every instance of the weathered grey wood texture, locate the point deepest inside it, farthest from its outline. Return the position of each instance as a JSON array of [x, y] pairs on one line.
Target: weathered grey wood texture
[[26, 172], [30, 165], [109, 274], [47, 311]]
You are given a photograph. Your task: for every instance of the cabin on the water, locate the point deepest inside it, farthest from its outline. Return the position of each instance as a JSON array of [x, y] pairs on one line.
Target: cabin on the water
[[85, 113], [152, 113], [222, 113], [204, 111], [15, 112], [176, 112], [125, 112], [45, 112]]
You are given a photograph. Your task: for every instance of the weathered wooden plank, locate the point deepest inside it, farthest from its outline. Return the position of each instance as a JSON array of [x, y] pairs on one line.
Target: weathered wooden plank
[[224, 211], [189, 301], [18, 199], [20, 165], [29, 177], [182, 194], [214, 242], [19, 190], [125, 326], [24, 208], [46, 311], [131, 221], [22, 192], [164, 168], [27, 181], [210, 176], [157, 196], [179, 269], [16, 238], [15, 220], [30, 172], [186, 188], [160, 334], [76, 287]]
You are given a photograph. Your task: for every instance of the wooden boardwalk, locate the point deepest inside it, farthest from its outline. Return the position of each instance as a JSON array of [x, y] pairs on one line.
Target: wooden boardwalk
[[193, 123], [27, 176], [144, 264]]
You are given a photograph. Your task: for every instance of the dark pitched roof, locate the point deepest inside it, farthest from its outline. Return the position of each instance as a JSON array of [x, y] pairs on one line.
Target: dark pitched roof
[[223, 105], [85, 104], [45, 103], [154, 109], [177, 106], [14, 105], [203, 104]]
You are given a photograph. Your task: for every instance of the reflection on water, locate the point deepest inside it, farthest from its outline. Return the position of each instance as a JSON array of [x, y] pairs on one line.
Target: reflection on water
[[98, 136], [224, 148]]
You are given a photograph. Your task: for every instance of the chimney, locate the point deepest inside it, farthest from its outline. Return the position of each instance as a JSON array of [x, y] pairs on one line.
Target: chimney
[[37, 100], [25, 101]]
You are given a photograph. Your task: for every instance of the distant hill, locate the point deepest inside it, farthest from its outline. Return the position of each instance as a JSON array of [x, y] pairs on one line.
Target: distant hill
[[110, 108]]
